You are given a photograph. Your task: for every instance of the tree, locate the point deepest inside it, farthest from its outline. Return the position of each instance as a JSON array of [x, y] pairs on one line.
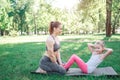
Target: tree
[[108, 17], [115, 15], [3, 22], [93, 12], [4, 19]]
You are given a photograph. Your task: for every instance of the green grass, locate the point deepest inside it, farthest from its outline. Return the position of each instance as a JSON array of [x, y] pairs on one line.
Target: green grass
[[18, 59]]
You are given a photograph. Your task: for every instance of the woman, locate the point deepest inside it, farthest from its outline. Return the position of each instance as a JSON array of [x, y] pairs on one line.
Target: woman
[[51, 61], [99, 53]]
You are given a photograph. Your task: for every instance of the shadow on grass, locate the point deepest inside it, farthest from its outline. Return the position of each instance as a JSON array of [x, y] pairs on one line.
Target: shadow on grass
[[93, 38], [105, 34], [79, 40]]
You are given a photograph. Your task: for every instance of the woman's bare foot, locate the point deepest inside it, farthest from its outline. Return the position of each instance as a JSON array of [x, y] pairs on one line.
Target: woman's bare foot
[[41, 71]]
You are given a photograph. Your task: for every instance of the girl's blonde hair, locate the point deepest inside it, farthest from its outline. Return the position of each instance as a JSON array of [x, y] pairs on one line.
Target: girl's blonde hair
[[100, 42]]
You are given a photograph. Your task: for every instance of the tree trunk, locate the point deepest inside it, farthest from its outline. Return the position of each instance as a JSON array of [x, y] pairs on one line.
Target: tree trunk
[[108, 17], [27, 29], [113, 30], [21, 30], [99, 25], [35, 30], [1, 32]]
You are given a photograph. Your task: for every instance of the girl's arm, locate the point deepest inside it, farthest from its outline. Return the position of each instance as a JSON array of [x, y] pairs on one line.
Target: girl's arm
[[91, 47], [50, 51], [108, 52]]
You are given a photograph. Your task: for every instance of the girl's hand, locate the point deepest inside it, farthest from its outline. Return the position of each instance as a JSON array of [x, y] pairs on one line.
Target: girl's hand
[[108, 52], [103, 48]]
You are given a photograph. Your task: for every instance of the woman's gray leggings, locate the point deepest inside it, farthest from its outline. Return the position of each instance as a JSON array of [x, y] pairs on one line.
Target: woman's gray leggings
[[47, 65]]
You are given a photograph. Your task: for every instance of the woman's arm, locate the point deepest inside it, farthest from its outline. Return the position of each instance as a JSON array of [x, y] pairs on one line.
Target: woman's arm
[[50, 51], [59, 58], [108, 52]]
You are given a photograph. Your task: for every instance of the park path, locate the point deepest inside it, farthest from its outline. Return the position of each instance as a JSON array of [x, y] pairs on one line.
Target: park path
[[42, 38]]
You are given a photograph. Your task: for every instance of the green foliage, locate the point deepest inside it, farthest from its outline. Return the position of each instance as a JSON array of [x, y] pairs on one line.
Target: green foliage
[[4, 21], [33, 16], [116, 13], [93, 13], [13, 33]]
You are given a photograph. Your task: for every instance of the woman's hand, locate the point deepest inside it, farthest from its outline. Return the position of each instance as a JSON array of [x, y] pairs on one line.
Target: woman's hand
[[62, 65]]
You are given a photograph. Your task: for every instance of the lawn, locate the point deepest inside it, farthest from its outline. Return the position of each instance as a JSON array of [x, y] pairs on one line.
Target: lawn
[[20, 55]]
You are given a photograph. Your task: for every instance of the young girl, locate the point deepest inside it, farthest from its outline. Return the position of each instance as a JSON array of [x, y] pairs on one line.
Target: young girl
[[98, 55]]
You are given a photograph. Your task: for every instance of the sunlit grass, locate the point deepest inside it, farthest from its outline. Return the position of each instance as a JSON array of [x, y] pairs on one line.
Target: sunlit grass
[[19, 58]]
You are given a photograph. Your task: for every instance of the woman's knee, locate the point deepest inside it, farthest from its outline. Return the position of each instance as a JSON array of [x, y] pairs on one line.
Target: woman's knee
[[46, 68]]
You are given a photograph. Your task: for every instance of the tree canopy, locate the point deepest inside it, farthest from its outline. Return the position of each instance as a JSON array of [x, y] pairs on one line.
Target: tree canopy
[[26, 17]]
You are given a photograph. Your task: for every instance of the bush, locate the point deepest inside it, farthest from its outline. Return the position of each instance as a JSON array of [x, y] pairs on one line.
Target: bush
[[13, 33]]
